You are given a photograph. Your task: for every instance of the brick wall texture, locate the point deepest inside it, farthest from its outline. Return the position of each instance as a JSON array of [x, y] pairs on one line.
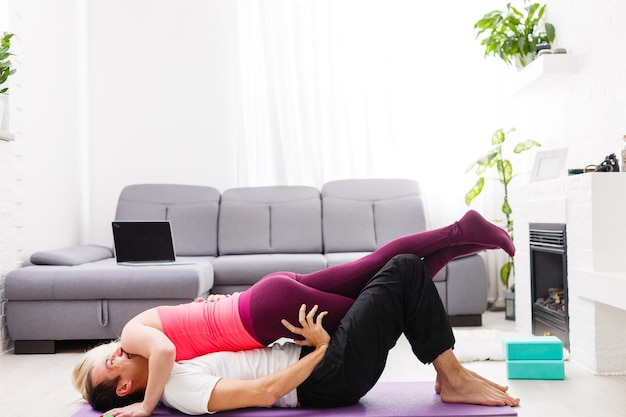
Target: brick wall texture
[[10, 226]]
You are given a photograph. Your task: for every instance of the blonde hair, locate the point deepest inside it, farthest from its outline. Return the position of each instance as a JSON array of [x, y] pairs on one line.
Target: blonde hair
[[82, 370]]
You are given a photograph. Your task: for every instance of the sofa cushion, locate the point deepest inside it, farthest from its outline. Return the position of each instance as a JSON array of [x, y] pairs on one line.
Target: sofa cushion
[[248, 269], [361, 215], [106, 279], [194, 228], [73, 255], [264, 220], [191, 209]]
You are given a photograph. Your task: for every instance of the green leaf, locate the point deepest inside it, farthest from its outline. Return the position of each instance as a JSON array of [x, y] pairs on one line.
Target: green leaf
[[550, 32], [526, 145], [475, 191], [505, 171], [505, 273], [506, 208], [497, 137], [494, 156], [542, 10]]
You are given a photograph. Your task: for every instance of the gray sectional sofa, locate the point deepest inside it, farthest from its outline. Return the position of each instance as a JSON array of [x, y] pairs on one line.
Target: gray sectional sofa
[[230, 240]]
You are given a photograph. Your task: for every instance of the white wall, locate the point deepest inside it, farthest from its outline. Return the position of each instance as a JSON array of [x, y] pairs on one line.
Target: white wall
[[161, 98], [45, 109]]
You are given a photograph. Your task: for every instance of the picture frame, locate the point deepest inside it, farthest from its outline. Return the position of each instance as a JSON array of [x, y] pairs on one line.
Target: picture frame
[[548, 164]]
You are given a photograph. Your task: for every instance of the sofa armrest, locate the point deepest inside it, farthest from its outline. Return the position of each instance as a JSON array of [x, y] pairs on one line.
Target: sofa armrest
[[467, 286], [71, 256]]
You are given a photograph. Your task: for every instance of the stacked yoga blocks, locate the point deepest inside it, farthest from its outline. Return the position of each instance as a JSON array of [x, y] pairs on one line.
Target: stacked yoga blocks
[[534, 357]]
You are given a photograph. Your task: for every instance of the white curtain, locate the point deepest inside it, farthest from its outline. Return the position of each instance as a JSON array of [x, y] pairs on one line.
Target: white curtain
[[333, 89], [313, 98]]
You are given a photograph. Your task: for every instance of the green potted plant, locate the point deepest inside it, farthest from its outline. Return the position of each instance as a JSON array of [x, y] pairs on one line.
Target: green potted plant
[[513, 34], [5, 64], [494, 158]]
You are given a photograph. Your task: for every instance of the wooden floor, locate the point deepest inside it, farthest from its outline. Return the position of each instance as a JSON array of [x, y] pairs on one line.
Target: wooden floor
[[40, 385]]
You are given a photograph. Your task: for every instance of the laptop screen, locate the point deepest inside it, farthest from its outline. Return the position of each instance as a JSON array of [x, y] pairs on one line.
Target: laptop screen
[[143, 241]]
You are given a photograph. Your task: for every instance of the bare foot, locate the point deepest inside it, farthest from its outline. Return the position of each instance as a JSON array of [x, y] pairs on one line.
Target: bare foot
[[457, 384], [493, 384], [470, 388], [502, 388]]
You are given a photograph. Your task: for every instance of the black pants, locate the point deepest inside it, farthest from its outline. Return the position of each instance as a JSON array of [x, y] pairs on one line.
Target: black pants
[[400, 298]]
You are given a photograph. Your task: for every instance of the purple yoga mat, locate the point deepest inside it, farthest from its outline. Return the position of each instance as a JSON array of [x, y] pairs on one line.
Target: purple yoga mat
[[388, 399]]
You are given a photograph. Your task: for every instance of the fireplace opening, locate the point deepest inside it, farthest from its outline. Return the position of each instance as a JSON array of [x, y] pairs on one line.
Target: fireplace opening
[[548, 278]]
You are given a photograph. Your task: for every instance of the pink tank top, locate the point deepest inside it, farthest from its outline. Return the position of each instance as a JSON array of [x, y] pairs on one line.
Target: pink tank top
[[200, 328]]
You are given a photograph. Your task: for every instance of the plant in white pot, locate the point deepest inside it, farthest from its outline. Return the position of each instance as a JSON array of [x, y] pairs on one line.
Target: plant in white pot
[[494, 158], [6, 71], [514, 34], [5, 64]]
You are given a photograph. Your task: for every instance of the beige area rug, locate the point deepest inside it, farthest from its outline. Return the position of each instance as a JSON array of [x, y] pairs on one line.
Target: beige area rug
[[483, 344]]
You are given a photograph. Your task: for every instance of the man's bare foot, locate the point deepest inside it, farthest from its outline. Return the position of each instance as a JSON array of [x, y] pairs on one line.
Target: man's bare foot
[[457, 384], [470, 388], [497, 386], [502, 388]]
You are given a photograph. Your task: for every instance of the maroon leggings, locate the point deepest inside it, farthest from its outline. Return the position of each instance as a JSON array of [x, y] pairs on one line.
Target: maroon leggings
[[279, 295]]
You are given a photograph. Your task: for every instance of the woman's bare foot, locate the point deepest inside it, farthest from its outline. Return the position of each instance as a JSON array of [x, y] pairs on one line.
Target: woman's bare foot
[[457, 384]]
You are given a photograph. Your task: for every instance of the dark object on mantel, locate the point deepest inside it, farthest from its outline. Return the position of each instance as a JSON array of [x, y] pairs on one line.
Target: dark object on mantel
[[609, 164]]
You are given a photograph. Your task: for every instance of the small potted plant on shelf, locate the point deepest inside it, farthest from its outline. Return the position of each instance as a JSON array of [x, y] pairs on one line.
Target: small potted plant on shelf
[[513, 35], [5, 72], [5, 65], [494, 158]]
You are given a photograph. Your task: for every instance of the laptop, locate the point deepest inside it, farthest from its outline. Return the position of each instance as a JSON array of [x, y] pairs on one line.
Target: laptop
[[143, 243]]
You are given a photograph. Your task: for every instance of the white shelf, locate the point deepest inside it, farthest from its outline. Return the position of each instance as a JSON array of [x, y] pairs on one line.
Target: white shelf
[[544, 72], [6, 136], [604, 287]]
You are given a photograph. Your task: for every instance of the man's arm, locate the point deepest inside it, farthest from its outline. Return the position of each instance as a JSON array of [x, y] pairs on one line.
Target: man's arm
[[230, 394]]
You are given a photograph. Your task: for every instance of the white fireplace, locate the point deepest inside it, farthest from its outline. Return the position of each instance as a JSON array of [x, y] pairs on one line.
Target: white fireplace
[[593, 208]]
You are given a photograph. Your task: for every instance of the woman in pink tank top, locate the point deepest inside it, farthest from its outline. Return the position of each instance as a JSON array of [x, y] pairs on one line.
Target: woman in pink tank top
[[153, 340]]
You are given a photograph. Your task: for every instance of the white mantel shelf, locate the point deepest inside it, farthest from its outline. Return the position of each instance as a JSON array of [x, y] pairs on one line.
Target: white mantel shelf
[[544, 72], [603, 287], [6, 136]]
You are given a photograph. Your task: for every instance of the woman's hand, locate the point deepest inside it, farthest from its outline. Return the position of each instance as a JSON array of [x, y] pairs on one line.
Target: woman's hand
[[132, 410], [312, 330], [212, 298]]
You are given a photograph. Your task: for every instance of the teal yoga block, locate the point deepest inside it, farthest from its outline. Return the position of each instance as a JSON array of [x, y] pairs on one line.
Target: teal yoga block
[[532, 348], [535, 369]]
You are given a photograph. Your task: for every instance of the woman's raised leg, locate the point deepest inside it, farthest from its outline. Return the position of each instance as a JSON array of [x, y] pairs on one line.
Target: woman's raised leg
[[279, 295], [472, 229]]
